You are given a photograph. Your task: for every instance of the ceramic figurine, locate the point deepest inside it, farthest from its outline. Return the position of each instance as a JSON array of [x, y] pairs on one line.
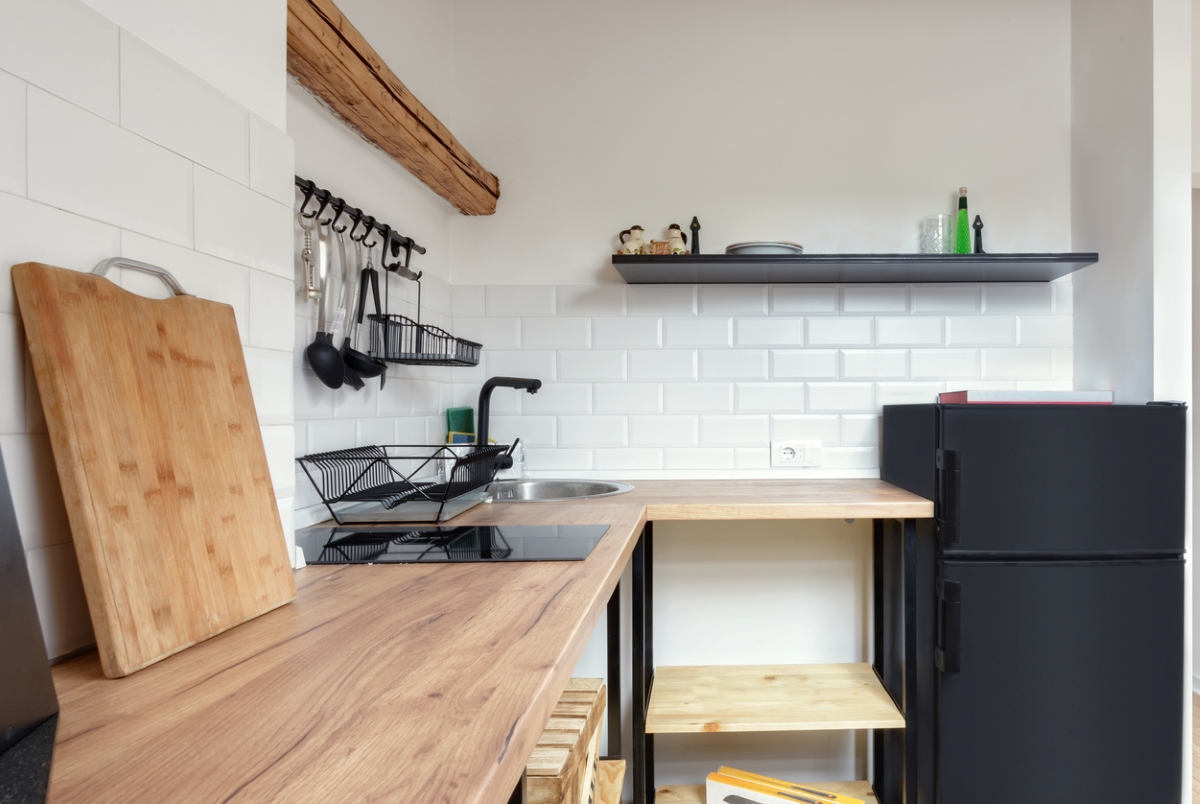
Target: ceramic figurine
[[660, 247], [633, 240], [676, 239]]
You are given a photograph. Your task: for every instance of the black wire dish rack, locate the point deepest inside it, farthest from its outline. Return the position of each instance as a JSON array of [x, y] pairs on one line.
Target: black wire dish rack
[[432, 483]]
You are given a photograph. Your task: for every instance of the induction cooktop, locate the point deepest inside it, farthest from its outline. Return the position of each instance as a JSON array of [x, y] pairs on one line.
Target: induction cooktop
[[432, 544]]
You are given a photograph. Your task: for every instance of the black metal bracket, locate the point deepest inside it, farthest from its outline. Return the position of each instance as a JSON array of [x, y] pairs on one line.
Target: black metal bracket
[[358, 218], [643, 665]]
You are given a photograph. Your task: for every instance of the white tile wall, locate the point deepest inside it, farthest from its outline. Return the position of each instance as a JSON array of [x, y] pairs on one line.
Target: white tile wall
[[100, 141]]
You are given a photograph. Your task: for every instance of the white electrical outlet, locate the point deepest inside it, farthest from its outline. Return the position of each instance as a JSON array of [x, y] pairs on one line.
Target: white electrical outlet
[[795, 453]]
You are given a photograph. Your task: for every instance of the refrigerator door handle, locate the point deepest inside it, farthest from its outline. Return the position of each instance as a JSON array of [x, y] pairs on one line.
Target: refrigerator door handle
[[949, 478], [947, 655]]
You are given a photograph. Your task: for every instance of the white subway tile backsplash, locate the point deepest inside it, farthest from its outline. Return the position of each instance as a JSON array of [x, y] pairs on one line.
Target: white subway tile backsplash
[[595, 365], [809, 299], [626, 333], [804, 364], [467, 301], [437, 297], [874, 299], [32, 232], [410, 430], [363, 403], [1064, 364], [395, 397], [330, 434], [860, 431], [752, 458], [981, 330], [850, 458], [826, 429], [626, 459], [740, 364], [236, 223], [534, 431], [271, 304], [278, 443], [12, 134], [493, 333], [1018, 364], [556, 333], [709, 458], [699, 397], [837, 397], [769, 332], [558, 460], [591, 300], [561, 398], [663, 365], [519, 300], [915, 331], [12, 374], [628, 397], [592, 431], [944, 364], [1045, 330], [173, 107], [426, 398], [537, 365], [313, 399], [733, 300], [690, 332], [770, 397], [373, 432], [1063, 295], [270, 375], [938, 298], [864, 364], [735, 431], [1013, 297], [907, 393], [205, 276], [58, 592], [36, 493], [660, 300], [272, 161], [663, 431], [65, 48], [838, 331], [84, 164]]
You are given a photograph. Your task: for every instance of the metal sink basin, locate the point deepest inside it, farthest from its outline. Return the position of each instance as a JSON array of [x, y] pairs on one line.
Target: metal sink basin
[[554, 490]]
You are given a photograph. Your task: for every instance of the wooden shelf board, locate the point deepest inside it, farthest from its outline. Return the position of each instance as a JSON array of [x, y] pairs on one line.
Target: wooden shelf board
[[805, 697], [610, 779], [694, 793], [640, 269]]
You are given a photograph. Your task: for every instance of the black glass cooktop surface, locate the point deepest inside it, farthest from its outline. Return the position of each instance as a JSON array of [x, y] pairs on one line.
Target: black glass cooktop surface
[[431, 544]]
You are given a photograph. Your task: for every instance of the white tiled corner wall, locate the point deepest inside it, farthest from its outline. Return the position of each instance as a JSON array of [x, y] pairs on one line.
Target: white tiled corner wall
[[108, 148], [645, 381]]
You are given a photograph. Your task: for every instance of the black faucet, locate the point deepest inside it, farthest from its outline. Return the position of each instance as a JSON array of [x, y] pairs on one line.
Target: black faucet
[[485, 400]]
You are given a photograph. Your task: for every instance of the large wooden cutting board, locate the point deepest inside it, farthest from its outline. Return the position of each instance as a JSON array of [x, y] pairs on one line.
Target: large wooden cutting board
[[161, 461]]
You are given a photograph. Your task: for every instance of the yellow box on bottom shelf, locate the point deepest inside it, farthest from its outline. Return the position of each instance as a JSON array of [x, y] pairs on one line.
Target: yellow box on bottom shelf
[[802, 789], [694, 793]]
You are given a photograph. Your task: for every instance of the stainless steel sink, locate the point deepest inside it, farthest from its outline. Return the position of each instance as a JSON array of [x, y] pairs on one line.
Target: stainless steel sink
[[554, 490]]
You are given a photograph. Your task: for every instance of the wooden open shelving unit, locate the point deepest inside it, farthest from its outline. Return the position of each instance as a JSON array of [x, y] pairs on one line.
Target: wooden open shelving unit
[[807, 697], [694, 793], [781, 269]]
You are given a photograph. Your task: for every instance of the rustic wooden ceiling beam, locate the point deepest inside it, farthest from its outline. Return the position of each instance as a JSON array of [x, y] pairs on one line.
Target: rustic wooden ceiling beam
[[333, 60]]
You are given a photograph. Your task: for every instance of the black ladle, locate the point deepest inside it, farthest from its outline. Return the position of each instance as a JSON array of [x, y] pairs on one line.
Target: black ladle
[[323, 357], [364, 365]]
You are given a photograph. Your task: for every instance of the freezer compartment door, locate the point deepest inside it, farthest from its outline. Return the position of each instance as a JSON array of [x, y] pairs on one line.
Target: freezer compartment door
[[1060, 682], [1061, 479]]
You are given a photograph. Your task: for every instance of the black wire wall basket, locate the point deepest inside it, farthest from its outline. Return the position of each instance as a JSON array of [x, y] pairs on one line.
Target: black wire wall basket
[[427, 483], [399, 339]]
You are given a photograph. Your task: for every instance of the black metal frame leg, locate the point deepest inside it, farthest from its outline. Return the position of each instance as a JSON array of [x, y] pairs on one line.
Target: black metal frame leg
[[613, 626], [643, 665]]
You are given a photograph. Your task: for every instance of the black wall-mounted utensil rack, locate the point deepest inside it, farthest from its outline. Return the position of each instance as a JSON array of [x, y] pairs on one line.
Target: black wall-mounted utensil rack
[[394, 338]]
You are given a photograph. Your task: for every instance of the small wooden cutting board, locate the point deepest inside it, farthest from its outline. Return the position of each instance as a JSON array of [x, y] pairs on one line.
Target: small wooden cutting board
[[161, 462]]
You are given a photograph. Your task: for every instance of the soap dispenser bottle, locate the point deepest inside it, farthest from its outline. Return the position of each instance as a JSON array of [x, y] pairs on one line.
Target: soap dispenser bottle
[[962, 231]]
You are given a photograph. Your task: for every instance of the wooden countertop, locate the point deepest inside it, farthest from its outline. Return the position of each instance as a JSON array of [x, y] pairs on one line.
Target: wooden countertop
[[426, 683]]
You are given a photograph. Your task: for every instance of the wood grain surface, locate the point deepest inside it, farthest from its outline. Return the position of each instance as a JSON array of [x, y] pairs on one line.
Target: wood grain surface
[[805, 697], [610, 778], [413, 683], [335, 62], [161, 462]]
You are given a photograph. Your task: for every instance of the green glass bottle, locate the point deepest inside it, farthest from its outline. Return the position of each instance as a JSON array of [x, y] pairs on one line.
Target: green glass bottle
[[962, 231]]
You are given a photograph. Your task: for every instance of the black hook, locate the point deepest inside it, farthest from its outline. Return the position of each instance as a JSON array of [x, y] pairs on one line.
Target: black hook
[[370, 219], [308, 188], [324, 203], [340, 206], [356, 216]]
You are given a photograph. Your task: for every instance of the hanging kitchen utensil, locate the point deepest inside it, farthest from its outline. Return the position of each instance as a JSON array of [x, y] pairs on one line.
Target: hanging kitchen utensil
[[311, 291], [323, 356], [363, 364], [351, 377]]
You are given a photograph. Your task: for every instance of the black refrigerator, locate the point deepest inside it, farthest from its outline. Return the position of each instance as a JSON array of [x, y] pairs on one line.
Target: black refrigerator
[[1049, 600]]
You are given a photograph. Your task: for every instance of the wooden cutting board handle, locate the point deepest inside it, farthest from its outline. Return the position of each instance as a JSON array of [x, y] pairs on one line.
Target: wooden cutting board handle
[[161, 461]]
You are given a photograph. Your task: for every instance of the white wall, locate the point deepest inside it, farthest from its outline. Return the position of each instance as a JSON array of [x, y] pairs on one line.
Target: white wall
[[835, 125], [107, 148]]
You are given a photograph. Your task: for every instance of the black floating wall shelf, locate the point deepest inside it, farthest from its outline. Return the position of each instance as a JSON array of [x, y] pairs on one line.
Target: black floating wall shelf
[[662, 269]]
